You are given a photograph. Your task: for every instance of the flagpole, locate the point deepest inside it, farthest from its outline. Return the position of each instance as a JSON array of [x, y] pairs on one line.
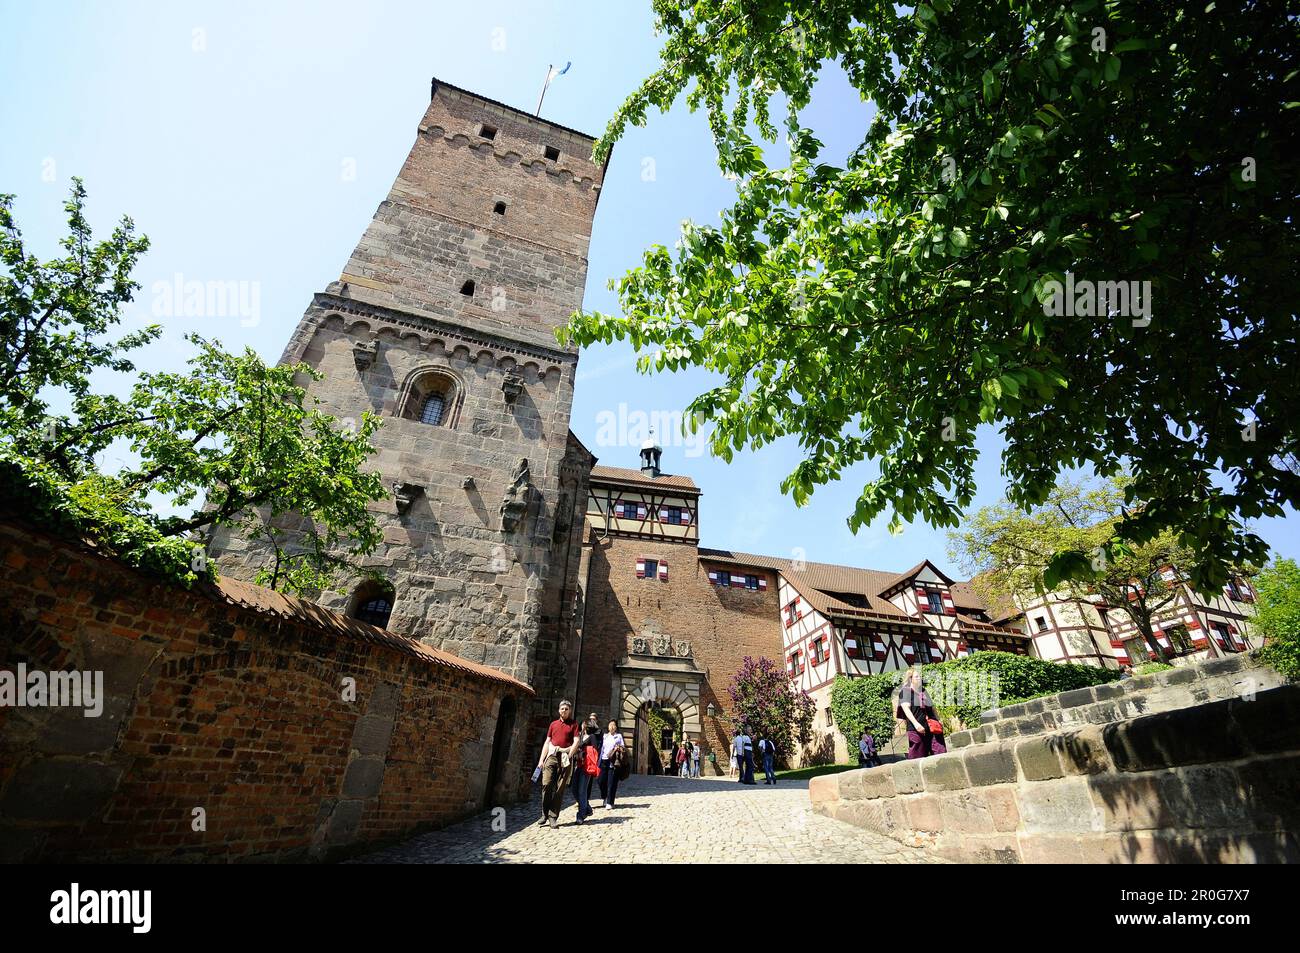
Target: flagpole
[[549, 67]]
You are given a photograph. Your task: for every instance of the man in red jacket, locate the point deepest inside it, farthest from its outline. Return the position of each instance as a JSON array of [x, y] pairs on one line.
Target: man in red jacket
[[556, 762]]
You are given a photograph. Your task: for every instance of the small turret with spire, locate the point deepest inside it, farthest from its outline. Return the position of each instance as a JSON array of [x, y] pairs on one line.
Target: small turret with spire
[[650, 453]]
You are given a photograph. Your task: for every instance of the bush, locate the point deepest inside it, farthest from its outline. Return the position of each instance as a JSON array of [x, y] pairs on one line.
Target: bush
[[1150, 668], [1277, 615], [865, 703], [1019, 678]]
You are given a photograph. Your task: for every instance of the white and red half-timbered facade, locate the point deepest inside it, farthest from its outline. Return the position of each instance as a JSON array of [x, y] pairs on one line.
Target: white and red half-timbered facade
[[1187, 625], [668, 623]]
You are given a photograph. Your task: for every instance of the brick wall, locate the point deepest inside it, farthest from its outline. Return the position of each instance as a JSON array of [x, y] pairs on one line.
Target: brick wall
[[722, 625], [231, 700]]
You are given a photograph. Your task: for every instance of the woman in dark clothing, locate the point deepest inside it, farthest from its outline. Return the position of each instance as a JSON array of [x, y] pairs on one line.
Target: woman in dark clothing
[[915, 707], [590, 742]]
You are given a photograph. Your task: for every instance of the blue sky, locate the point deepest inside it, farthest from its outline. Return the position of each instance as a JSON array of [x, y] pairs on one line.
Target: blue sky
[[252, 143]]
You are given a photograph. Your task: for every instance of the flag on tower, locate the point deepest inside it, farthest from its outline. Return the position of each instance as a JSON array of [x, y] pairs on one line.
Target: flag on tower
[[551, 73]]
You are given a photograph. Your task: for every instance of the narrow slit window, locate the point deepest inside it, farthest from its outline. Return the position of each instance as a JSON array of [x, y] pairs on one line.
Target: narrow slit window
[[467, 289], [552, 153]]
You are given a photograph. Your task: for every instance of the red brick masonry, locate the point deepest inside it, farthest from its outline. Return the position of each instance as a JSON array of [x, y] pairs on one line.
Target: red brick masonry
[[231, 699]]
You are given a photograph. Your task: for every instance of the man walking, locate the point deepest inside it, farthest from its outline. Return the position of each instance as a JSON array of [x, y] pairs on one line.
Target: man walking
[[768, 752], [556, 762]]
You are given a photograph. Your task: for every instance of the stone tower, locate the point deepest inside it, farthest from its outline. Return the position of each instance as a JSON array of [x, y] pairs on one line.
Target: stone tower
[[442, 323]]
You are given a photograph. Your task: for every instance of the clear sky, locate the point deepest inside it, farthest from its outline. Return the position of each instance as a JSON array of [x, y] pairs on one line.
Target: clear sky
[[252, 142]]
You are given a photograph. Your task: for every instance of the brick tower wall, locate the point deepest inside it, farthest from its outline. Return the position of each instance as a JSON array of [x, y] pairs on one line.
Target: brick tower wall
[[722, 625]]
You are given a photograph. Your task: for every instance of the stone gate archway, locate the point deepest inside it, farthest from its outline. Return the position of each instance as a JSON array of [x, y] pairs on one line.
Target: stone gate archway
[[637, 689]]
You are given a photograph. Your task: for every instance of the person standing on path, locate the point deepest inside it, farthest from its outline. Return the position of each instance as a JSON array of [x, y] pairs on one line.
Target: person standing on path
[[747, 747], [738, 756], [767, 752], [867, 754], [924, 730], [588, 767], [695, 759], [587, 725], [683, 760], [612, 752], [556, 762]]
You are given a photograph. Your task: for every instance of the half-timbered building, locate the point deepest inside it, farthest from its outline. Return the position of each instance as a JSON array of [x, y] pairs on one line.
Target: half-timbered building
[[1187, 625], [668, 623]]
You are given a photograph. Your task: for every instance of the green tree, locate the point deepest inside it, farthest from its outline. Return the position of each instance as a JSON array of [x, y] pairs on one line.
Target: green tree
[[865, 704], [764, 701], [230, 435], [1277, 615], [883, 308], [1064, 547]]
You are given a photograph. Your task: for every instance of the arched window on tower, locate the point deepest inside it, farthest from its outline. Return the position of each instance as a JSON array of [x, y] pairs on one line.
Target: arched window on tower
[[434, 407], [373, 603], [431, 395]]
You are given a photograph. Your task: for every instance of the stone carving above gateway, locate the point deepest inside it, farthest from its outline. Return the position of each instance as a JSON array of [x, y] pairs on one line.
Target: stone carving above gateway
[[659, 645]]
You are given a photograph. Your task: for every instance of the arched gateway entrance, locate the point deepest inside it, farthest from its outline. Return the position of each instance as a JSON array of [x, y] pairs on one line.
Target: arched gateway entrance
[[648, 680]]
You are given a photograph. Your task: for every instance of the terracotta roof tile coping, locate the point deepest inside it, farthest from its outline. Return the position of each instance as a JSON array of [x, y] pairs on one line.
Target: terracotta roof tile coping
[[249, 596]]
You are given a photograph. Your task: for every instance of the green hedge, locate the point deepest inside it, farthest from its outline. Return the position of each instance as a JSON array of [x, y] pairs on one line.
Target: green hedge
[[864, 703]]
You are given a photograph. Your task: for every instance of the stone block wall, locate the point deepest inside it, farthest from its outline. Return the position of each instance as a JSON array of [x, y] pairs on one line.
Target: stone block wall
[[233, 700], [496, 210], [1214, 783]]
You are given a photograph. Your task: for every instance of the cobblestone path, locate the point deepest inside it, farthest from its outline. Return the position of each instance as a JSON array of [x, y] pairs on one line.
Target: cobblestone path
[[662, 820]]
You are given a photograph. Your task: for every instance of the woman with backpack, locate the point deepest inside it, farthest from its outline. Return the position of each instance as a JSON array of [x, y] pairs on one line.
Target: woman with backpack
[[613, 756], [587, 769], [924, 729]]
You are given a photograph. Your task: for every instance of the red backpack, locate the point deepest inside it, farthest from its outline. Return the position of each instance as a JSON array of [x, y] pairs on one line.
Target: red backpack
[[591, 760]]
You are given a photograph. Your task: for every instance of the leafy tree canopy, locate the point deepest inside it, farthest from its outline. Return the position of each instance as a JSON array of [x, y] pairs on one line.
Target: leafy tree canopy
[[881, 309], [229, 433]]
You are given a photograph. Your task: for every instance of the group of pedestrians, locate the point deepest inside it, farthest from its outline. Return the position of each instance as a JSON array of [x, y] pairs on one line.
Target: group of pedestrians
[[583, 753], [685, 759], [742, 757]]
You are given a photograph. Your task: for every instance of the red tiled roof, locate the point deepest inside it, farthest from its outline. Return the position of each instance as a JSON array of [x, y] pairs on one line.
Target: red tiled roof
[[602, 474], [249, 596], [819, 584]]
